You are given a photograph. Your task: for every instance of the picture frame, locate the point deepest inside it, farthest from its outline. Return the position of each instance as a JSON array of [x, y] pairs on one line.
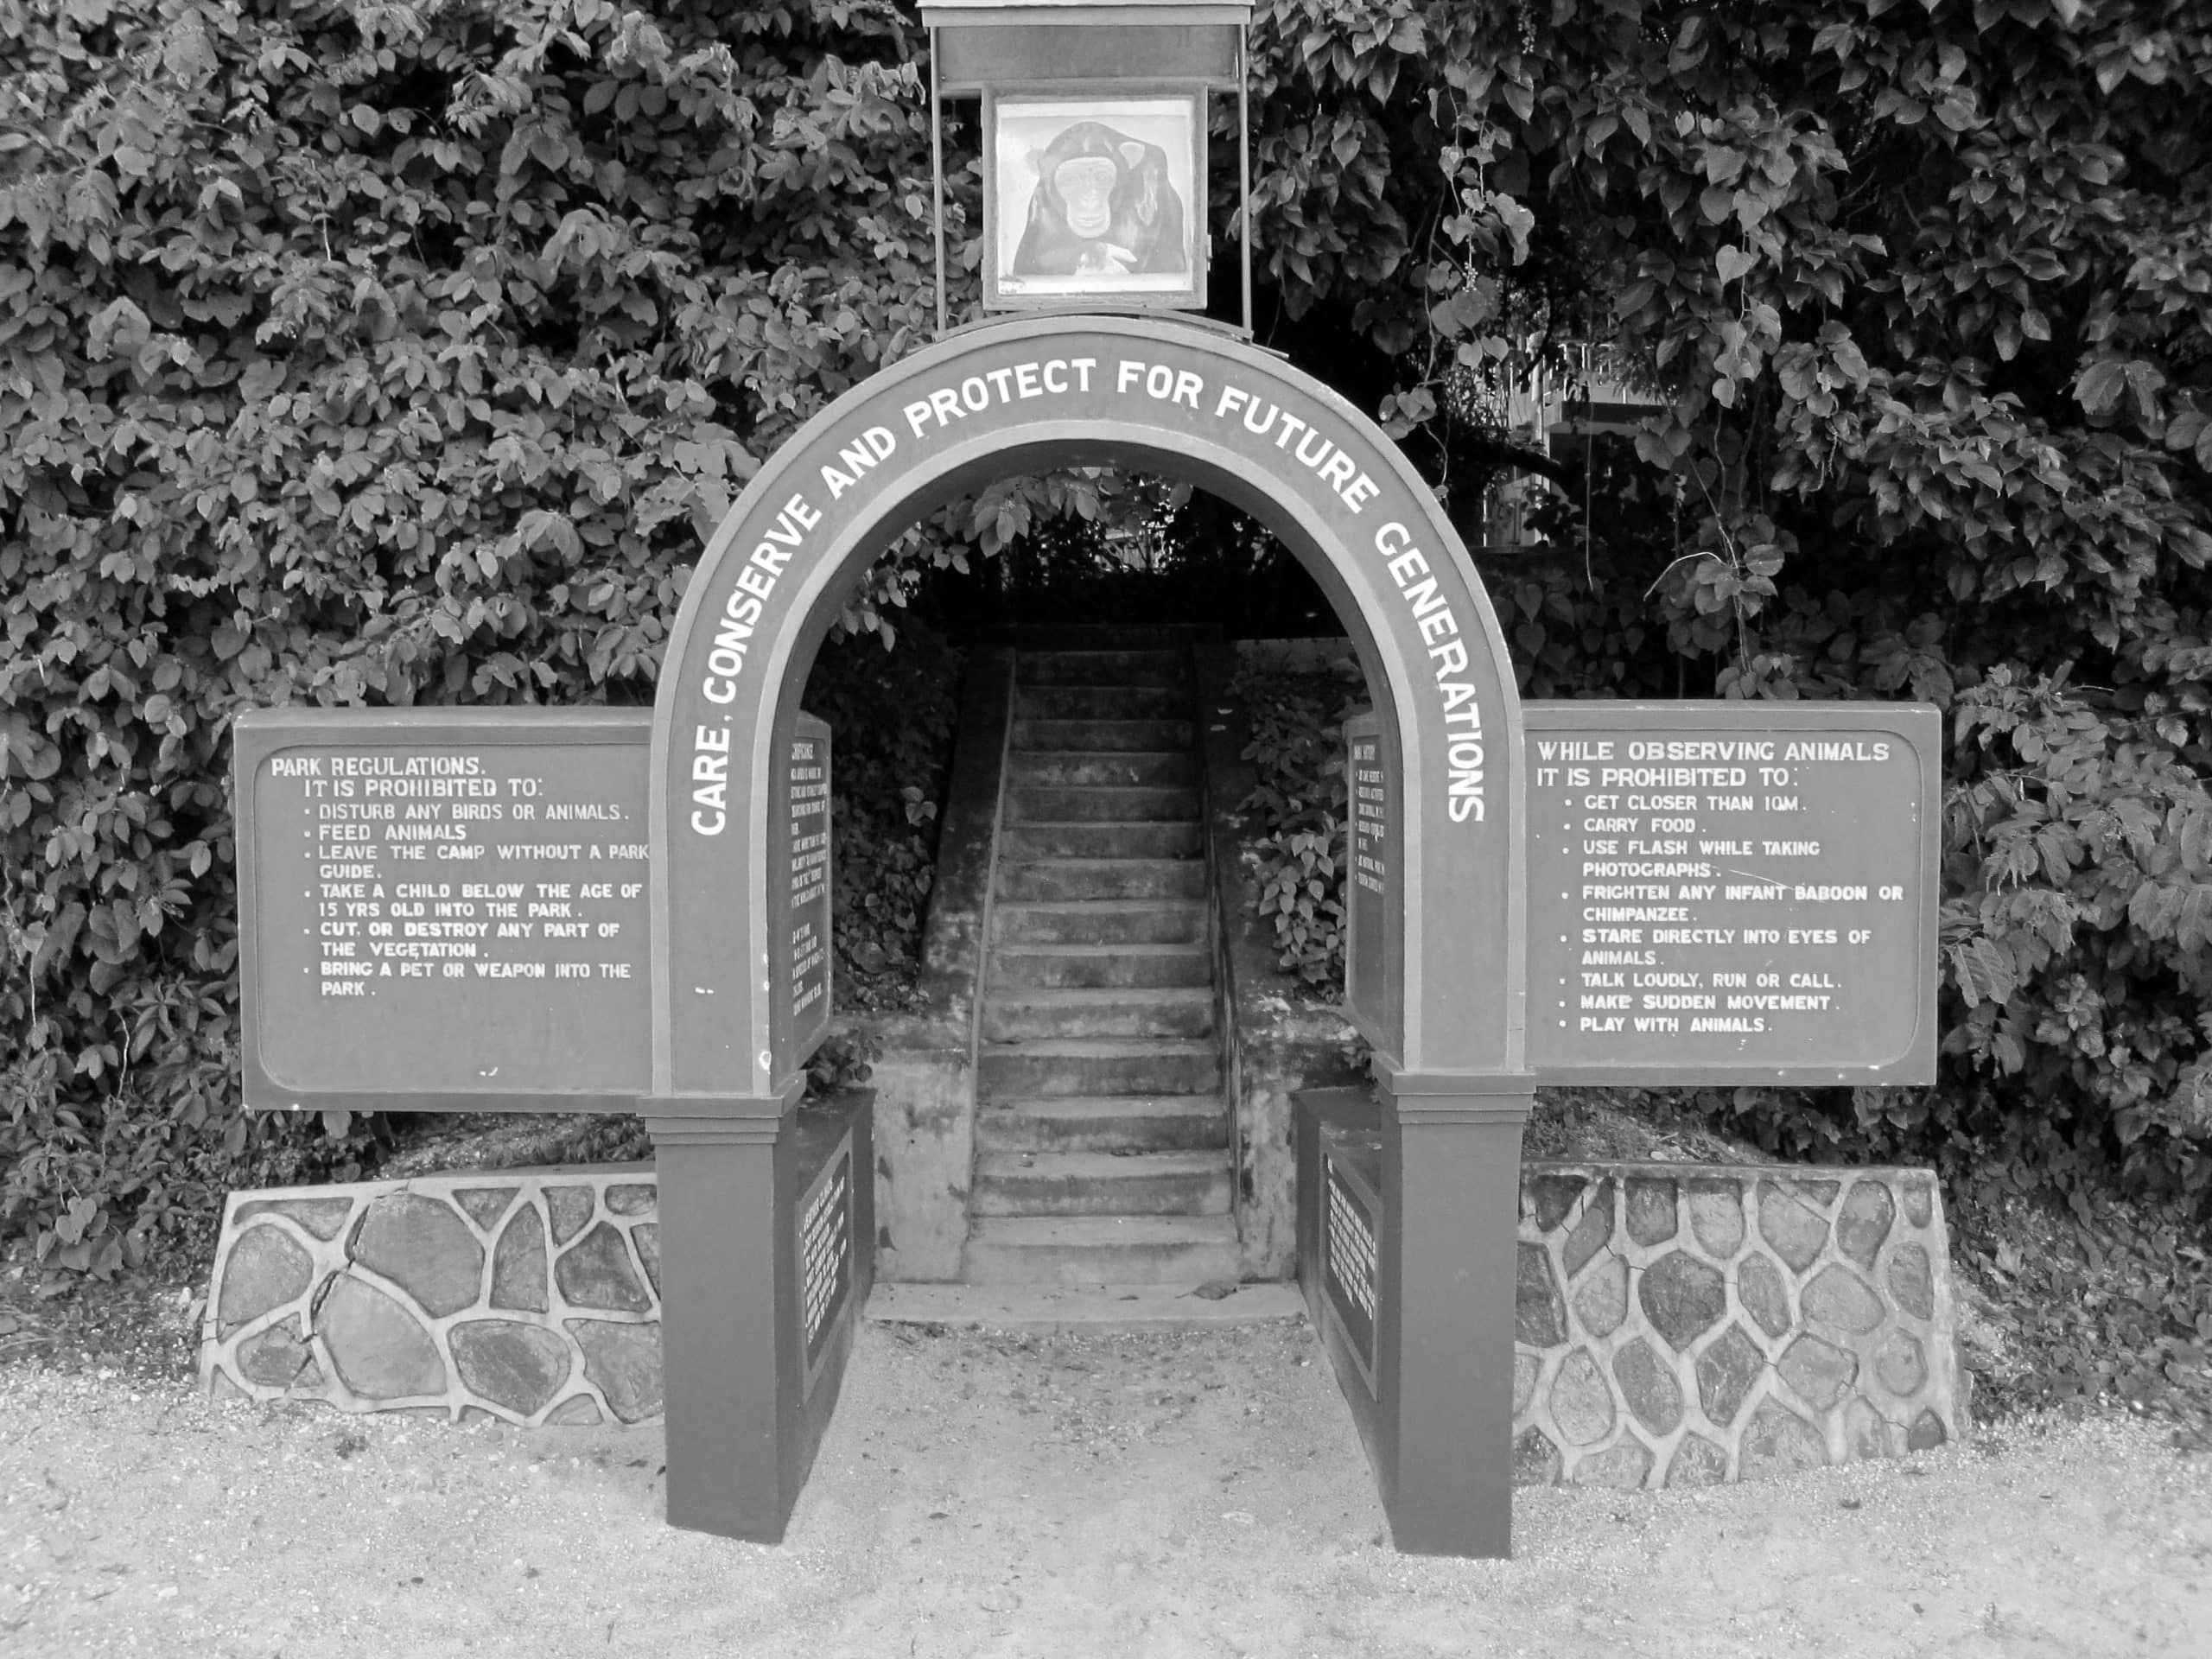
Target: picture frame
[[1095, 197]]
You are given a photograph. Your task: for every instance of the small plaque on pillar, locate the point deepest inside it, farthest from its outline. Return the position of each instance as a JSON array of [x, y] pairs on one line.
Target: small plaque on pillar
[[824, 1254], [802, 931], [1373, 896], [1351, 1252]]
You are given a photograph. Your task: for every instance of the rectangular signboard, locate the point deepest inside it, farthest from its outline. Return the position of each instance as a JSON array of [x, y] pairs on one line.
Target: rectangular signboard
[[443, 909], [1732, 892]]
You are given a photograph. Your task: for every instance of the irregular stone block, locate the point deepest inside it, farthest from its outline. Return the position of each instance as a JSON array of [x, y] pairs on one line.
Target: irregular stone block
[[1910, 1282], [633, 1198], [1764, 1292], [1926, 1432], [266, 1269], [1840, 1297], [623, 1363], [570, 1207], [1526, 1369], [1900, 1364], [1539, 1314], [1592, 1233], [596, 1272], [1553, 1197], [1651, 1214], [578, 1409], [1717, 1217], [1820, 1371], [1535, 1459], [1919, 1192], [1821, 1193], [1582, 1406], [1865, 1430], [379, 1348], [1778, 1440], [646, 1236], [1865, 1222], [321, 1216], [279, 1357], [1697, 1462], [1726, 1372], [485, 1204], [1648, 1384], [1624, 1468], [1682, 1297], [518, 1264], [1797, 1232], [1602, 1302], [423, 1247], [510, 1364]]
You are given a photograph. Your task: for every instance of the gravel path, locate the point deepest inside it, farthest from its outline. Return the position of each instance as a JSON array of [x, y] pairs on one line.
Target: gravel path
[[1064, 1497]]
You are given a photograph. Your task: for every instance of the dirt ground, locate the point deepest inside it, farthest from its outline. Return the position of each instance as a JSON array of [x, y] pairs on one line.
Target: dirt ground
[[986, 1495]]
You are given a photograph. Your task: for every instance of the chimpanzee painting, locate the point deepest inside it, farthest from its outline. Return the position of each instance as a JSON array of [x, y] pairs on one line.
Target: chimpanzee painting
[[1093, 198]]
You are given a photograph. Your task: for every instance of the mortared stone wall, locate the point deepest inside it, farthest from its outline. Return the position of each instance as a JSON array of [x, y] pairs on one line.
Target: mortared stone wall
[[1677, 1323], [530, 1296], [1680, 1324]]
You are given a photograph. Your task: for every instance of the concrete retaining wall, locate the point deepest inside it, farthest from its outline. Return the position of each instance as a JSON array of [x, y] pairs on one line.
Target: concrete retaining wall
[[1682, 1323]]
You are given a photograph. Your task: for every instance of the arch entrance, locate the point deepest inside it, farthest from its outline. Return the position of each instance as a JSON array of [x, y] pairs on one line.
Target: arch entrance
[[739, 998]]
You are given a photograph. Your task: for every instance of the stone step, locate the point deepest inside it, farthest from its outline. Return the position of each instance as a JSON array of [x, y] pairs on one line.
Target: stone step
[[1011, 1015], [1074, 967], [1104, 1123], [1091, 803], [1107, 839], [1097, 1066], [1101, 921], [1141, 767], [1100, 668], [1060, 880], [1100, 1250], [1100, 701], [1154, 735], [1101, 1184]]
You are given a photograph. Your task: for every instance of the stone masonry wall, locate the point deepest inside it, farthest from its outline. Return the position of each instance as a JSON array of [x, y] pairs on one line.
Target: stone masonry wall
[[530, 1296], [1680, 1324], [1677, 1323]]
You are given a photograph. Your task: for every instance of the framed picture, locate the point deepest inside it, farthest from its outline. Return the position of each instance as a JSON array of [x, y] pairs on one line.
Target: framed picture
[[1095, 197]]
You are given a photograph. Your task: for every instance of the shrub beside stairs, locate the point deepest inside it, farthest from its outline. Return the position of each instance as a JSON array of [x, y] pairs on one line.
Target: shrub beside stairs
[[1102, 1129]]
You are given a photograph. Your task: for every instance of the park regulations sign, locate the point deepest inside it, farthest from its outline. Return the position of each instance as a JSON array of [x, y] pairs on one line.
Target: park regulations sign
[[1732, 892], [447, 909]]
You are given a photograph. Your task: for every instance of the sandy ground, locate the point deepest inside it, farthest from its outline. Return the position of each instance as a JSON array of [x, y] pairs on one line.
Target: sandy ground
[[986, 1495]]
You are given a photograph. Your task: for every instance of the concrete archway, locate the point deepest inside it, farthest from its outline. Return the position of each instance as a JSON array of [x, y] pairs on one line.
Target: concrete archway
[[1023, 397], [1437, 949]]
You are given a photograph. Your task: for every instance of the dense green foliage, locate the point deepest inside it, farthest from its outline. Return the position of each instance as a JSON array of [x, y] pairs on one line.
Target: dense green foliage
[[357, 352], [1929, 289], [1298, 826], [365, 354], [891, 716]]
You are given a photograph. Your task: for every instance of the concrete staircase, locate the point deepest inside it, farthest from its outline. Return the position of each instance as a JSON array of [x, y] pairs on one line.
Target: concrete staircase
[[1102, 1134]]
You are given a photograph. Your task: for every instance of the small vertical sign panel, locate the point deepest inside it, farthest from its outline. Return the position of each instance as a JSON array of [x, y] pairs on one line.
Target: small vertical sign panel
[[804, 970], [1350, 1255], [1374, 895], [824, 1254]]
